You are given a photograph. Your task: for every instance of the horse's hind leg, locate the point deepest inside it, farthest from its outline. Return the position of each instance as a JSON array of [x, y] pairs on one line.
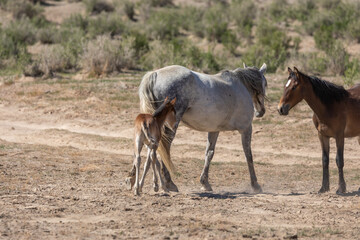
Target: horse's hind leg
[[156, 170], [170, 185], [246, 143], [340, 163], [137, 162], [130, 180], [146, 169], [209, 154], [325, 147]]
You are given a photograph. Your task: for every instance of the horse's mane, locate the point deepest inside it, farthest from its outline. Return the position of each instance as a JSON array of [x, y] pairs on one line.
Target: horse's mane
[[326, 91], [252, 79]]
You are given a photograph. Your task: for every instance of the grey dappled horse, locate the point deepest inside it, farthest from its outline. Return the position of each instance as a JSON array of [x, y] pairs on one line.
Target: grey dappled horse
[[208, 103]]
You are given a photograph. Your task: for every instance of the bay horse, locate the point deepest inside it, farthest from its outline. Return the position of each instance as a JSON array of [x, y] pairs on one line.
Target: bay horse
[[336, 115], [209, 103], [148, 131]]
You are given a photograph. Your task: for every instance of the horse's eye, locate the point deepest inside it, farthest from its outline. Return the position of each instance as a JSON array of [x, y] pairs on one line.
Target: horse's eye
[[293, 88]]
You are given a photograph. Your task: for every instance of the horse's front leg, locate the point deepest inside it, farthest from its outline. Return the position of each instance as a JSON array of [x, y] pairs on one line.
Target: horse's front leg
[[246, 143], [325, 147], [340, 163], [209, 154]]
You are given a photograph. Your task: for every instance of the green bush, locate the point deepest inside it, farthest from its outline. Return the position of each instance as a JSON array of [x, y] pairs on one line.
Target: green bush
[[271, 47], [179, 52], [98, 6], [324, 38], [278, 10], [47, 35], [164, 24], [244, 14], [76, 21], [161, 3], [106, 24], [23, 8], [191, 20], [215, 23], [352, 72], [129, 9]]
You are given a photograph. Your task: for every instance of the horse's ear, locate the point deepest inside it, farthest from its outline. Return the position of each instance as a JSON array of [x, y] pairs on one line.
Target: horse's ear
[[245, 65], [296, 70], [289, 70], [173, 101], [263, 68], [166, 100]]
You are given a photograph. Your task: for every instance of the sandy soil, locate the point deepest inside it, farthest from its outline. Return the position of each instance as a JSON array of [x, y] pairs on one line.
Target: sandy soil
[[66, 148]]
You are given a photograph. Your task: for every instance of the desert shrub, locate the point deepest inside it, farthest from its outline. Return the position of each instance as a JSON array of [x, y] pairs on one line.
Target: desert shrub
[[303, 10], [164, 24], [324, 38], [20, 32], [50, 60], [352, 72], [354, 31], [316, 63], [338, 58], [215, 23], [278, 10], [23, 8], [47, 35], [98, 6], [161, 3], [271, 47], [129, 9], [329, 4], [191, 20], [244, 14], [76, 21], [106, 24], [104, 55], [179, 52]]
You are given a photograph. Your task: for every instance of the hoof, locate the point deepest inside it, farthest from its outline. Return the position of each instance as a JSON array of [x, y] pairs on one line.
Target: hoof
[[172, 187], [129, 182], [257, 188], [156, 188], [341, 189], [323, 189], [206, 187], [136, 192]]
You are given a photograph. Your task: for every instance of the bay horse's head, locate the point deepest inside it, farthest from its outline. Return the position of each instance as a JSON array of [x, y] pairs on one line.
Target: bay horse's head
[[293, 92]]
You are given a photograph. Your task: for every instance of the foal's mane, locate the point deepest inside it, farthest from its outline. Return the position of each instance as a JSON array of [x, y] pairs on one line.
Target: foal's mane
[[159, 111], [326, 91], [252, 79]]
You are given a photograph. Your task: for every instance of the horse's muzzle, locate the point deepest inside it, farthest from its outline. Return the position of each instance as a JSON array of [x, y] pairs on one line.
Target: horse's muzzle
[[259, 114], [284, 109]]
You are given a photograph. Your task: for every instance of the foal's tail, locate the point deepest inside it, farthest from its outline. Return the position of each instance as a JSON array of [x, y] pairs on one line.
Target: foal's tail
[[148, 105]]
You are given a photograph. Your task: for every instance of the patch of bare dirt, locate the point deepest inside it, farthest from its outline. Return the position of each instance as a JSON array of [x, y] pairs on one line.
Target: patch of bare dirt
[[66, 148]]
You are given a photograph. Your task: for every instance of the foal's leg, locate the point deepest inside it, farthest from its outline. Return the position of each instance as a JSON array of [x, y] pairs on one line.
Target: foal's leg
[[340, 163], [325, 147], [209, 154], [146, 169], [137, 162], [246, 143]]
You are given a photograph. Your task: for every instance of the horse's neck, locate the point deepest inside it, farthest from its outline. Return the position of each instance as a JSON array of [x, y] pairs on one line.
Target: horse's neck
[[319, 108], [161, 118]]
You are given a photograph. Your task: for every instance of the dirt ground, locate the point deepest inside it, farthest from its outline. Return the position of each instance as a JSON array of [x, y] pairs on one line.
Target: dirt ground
[[66, 149]]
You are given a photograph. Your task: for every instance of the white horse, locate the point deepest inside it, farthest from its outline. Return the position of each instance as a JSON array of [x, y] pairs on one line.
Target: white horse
[[209, 103]]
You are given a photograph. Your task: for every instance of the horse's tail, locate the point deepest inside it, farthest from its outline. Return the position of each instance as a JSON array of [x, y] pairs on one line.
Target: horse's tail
[[147, 105]]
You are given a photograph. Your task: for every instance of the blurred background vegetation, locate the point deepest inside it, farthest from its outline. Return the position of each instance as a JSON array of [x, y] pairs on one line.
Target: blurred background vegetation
[[110, 36]]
